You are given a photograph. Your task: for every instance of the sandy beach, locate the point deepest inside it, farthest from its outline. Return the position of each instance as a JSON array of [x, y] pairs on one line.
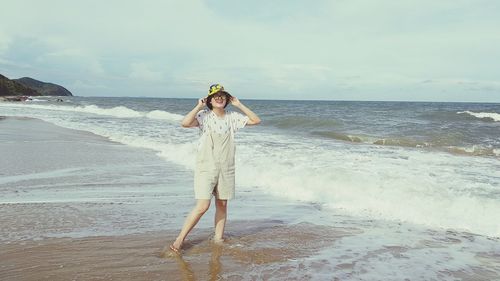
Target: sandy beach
[[45, 237], [76, 206], [139, 256]]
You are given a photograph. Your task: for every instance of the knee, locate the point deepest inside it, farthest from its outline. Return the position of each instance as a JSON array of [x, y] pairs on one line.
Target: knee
[[221, 204], [201, 208]]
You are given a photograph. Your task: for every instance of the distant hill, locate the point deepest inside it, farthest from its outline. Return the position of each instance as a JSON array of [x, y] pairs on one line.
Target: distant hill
[[30, 87], [45, 89], [12, 88]]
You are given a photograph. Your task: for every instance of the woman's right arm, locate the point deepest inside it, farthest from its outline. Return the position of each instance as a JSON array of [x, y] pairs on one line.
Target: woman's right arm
[[190, 118]]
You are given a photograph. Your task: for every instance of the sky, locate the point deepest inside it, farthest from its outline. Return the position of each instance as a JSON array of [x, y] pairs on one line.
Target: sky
[[403, 50]]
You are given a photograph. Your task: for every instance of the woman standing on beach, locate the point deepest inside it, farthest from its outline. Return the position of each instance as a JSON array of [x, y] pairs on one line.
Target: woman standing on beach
[[214, 171]]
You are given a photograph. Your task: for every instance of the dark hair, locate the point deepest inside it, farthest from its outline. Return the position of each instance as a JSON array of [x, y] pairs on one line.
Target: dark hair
[[228, 99]]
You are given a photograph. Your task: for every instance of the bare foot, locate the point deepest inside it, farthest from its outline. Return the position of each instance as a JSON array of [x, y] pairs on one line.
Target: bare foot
[[218, 240], [169, 250], [176, 246], [175, 250]]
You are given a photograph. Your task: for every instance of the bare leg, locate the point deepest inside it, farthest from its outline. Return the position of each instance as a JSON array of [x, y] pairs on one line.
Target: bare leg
[[220, 219], [191, 220]]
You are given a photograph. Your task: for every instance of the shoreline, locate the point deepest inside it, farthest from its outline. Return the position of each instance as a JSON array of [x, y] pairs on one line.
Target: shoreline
[[139, 256], [92, 239], [106, 210]]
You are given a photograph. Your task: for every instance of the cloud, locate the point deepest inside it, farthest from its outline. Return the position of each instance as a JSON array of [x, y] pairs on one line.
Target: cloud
[[297, 77], [368, 48], [465, 84], [142, 71], [5, 41], [80, 85], [264, 10], [77, 57]]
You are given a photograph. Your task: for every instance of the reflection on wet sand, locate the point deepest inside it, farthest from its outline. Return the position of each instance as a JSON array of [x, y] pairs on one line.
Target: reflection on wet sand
[[214, 264], [253, 250], [184, 268]]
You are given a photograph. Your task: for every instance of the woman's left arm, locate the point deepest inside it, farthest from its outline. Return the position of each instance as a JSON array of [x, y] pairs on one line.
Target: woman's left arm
[[253, 119]]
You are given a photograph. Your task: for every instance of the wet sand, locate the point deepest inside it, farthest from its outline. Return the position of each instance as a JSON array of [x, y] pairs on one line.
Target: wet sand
[[75, 206], [47, 236], [251, 245]]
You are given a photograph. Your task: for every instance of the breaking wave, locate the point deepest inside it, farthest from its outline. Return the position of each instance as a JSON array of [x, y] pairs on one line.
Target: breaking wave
[[491, 116], [117, 111], [440, 144]]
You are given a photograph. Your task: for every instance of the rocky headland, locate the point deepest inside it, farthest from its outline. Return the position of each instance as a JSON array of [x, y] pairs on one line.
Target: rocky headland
[[19, 89]]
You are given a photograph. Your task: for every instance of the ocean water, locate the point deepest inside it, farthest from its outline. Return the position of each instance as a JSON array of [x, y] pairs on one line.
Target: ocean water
[[420, 182]]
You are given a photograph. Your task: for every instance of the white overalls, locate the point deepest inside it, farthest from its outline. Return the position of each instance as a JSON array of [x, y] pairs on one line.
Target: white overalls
[[214, 171]]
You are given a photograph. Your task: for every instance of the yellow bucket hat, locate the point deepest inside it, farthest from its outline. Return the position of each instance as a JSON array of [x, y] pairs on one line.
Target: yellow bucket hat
[[214, 89]]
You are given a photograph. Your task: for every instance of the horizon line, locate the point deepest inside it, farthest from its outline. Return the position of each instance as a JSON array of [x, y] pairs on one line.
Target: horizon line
[[328, 100]]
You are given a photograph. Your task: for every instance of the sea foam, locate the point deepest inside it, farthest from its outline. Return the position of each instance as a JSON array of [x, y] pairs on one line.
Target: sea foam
[[118, 111], [435, 189], [432, 189], [490, 115]]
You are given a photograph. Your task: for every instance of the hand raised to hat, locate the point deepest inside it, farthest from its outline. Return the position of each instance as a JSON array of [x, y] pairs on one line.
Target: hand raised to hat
[[235, 101], [202, 102]]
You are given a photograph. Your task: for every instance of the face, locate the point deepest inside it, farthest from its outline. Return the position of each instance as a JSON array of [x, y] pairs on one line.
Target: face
[[219, 100]]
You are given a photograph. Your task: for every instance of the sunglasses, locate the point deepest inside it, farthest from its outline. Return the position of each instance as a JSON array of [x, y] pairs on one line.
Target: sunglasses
[[220, 97]]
